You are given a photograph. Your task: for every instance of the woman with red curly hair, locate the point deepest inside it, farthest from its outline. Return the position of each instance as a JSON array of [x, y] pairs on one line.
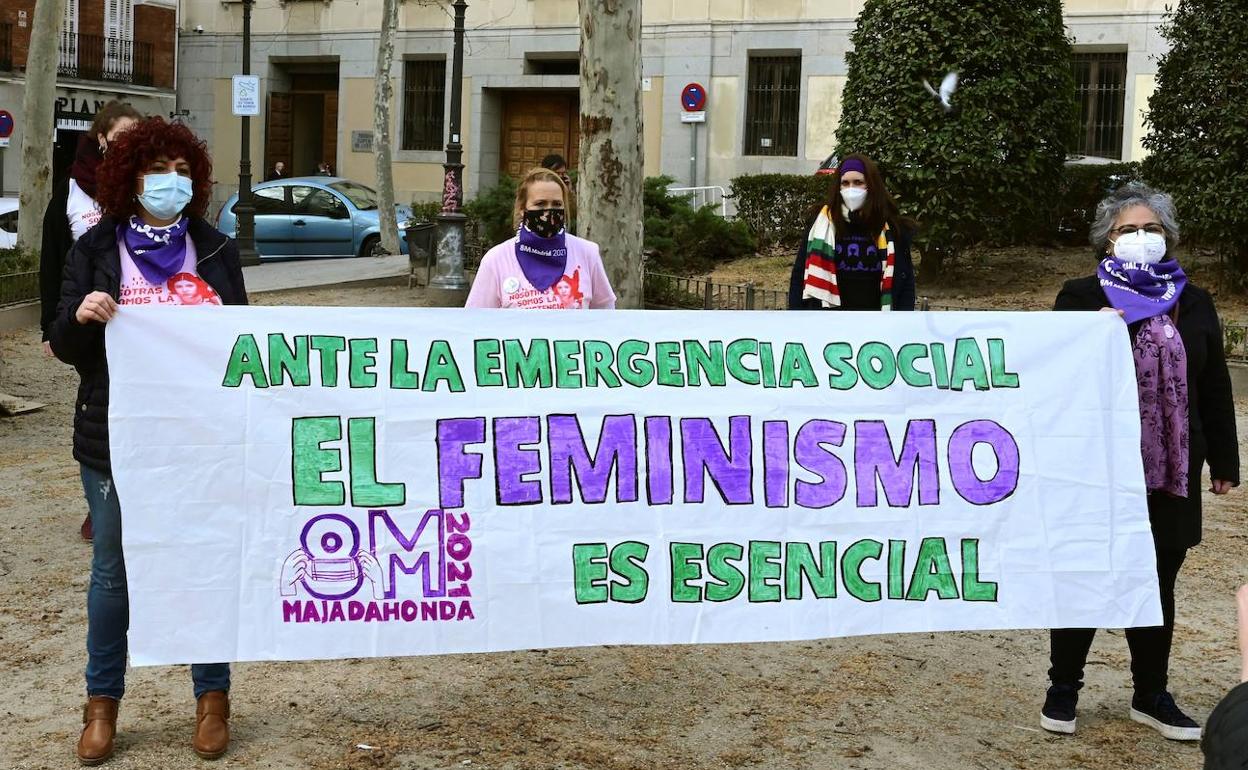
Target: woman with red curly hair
[[153, 189]]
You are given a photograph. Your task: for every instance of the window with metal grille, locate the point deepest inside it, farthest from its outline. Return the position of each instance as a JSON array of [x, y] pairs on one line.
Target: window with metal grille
[[772, 98], [1101, 93], [424, 104]]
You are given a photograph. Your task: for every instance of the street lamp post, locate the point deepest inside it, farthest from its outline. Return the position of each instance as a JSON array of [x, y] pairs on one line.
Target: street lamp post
[[449, 270], [245, 209]]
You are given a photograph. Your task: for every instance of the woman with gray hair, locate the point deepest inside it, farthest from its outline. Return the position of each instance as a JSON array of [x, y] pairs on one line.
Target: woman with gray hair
[[1187, 418]]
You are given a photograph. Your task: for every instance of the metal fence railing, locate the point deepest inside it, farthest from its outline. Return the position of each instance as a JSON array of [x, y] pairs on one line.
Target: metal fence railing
[[16, 288], [676, 292]]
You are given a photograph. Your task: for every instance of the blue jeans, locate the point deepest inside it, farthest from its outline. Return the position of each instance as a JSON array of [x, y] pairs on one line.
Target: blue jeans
[[108, 604]]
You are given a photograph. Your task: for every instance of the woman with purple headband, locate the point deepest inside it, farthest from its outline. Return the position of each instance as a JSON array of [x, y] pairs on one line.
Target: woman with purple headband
[[857, 253], [1187, 417]]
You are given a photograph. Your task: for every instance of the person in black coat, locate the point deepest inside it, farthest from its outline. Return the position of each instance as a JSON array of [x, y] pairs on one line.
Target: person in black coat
[[1225, 741], [861, 247], [72, 212], [1187, 420], [154, 186]]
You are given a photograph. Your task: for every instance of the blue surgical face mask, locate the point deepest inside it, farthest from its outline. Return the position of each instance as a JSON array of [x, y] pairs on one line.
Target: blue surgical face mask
[[165, 195]]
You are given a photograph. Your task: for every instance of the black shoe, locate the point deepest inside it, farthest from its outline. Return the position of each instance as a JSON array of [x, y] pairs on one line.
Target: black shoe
[[1160, 712], [1058, 714]]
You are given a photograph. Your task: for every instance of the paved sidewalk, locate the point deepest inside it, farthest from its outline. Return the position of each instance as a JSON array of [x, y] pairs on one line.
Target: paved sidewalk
[[306, 273]]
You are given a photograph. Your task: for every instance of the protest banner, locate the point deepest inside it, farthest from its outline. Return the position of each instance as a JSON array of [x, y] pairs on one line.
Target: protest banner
[[301, 483]]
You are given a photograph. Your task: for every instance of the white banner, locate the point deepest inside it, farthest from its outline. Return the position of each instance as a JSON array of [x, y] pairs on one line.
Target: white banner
[[304, 483]]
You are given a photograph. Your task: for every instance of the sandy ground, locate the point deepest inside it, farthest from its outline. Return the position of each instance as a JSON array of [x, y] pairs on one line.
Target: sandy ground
[[914, 701]]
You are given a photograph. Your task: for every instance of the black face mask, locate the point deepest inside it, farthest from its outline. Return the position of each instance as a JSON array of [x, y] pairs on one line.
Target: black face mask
[[544, 223]]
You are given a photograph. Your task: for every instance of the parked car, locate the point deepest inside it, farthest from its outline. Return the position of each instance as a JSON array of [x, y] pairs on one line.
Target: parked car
[[828, 166], [8, 223], [314, 217]]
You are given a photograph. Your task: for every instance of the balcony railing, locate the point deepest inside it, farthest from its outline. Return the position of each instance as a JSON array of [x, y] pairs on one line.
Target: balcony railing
[[6, 47], [94, 57]]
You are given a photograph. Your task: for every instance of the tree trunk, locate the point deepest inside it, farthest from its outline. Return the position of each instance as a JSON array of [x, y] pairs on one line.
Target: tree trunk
[[37, 125], [389, 222], [610, 174]]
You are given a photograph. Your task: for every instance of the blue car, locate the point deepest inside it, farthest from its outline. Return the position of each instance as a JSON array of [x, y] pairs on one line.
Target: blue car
[[314, 217]]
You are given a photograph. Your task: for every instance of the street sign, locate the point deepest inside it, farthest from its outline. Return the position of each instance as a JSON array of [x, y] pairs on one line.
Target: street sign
[[693, 117], [693, 98], [6, 124], [246, 95]]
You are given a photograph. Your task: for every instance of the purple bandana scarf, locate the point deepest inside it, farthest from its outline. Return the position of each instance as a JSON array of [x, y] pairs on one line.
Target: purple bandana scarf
[[1161, 375], [1141, 291], [543, 260], [158, 252]]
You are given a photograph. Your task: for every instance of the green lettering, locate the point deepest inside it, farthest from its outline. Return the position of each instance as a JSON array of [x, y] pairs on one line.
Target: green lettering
[[489, 368], [795, 366], [703, 362], [527, 368], [877, 379], [910, 374], [836, 355], [361, 359], [974, 589], [738, 350], [245, 361], [851, 570], [440, 366], [328, 349], [968, 365], [626, 562], [667, 355], [589, 572], [686, 566], [764, 567], [400, 377], [728, 580], [310, 462], [599, 363], [932, 572], [799, 563], [366, 490], [896, 569], [567, 364], [996, 362], [284, 360], [638, 371]]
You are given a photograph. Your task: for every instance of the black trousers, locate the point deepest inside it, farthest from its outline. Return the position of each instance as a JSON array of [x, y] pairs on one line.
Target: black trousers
[[1150, 647]]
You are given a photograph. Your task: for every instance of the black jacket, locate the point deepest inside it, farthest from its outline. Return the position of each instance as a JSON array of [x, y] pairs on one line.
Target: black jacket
[[94, 264], [57, 241], [1211, 410], [903, 276]]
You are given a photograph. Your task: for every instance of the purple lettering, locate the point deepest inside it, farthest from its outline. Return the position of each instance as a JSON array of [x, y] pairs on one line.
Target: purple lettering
[[659, 487], [291, 611], [410, 611], [355, 610], [465, 611], [776, 463], [617, 451], [962, 443], [433, 581], [730, 470], [454, 464], [512, 463], [812, 455], [873, 458], [428, 610]]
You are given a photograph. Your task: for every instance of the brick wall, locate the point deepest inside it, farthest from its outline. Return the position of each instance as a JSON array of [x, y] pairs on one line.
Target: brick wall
[[9, 13], [155, 25]]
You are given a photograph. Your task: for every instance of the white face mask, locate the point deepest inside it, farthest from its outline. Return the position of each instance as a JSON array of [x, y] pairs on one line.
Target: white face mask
[[1146, 248], [854, 197]]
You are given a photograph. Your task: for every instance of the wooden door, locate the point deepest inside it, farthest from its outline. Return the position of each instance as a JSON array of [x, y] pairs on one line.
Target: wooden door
[[329, 134], [536, 124], [277, 134]]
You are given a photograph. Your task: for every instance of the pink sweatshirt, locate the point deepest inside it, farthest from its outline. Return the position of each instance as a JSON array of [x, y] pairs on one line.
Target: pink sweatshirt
[[501, 283]]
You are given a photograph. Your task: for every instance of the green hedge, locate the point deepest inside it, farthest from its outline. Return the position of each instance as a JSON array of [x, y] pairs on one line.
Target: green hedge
[[777, 207], [489, 214], [1084, 186], [684, 239], [14, 261]]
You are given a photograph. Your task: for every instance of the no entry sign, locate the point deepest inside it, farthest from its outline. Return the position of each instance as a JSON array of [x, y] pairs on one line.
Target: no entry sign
[[6, 124]]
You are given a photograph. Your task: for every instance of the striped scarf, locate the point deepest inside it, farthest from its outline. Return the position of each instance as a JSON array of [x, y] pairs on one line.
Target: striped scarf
[[819, 280]]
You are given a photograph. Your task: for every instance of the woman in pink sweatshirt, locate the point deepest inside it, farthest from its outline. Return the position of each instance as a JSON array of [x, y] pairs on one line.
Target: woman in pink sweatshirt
[[543, 267]]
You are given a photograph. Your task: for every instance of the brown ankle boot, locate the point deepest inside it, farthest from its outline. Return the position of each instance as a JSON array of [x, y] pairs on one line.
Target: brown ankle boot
[[99, 729], [212, 729]]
